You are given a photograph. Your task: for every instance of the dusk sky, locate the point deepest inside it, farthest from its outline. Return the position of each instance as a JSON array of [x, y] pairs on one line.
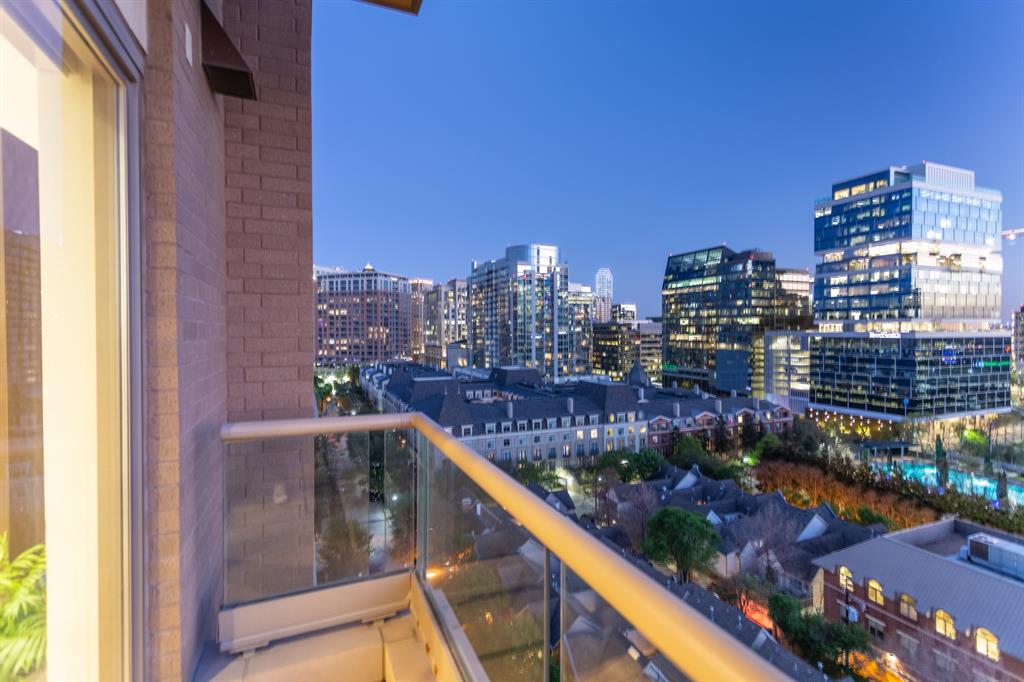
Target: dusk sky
[[625, 131]]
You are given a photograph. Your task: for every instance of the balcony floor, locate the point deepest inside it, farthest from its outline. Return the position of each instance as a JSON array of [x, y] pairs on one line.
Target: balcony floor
[[390, 651]]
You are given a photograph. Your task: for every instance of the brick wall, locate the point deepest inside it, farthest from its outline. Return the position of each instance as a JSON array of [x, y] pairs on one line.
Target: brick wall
[[270, 298], [186, 343], [228, 317]]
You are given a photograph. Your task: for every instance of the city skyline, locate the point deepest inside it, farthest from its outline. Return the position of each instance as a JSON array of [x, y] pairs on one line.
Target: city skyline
[[467, 159]]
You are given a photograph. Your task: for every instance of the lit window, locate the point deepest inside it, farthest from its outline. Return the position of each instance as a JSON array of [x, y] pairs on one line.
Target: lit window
[[986, 643], [845, 579], [944, 624], [593, 433], [908, 607], [875, 592]]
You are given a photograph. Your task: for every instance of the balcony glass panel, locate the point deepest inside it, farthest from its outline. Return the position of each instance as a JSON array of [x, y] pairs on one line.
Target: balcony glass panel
[[309, 511], [484, 574]]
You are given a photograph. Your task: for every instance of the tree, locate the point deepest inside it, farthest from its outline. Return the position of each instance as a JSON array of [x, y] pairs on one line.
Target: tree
[[814, 638], [768, 532], [646, 463], [1002, 490], [750, 433], [723, 438], [941, 464], [343, 550], [688, 451], [531, 472], [744, 589], [322, 391], [974, 443], [640, 504], [683, 538]]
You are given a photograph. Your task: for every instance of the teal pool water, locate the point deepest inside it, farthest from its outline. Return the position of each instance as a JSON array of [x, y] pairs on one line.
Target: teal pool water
[[963, 481]]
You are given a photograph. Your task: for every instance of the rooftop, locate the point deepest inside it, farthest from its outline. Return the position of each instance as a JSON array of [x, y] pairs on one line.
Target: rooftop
[[919, 562]]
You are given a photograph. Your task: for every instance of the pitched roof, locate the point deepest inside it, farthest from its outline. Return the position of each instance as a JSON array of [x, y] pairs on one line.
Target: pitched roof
[[973, 596]]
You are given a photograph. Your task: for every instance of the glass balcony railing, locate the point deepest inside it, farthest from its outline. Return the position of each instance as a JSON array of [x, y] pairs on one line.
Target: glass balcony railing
[[518, 591]]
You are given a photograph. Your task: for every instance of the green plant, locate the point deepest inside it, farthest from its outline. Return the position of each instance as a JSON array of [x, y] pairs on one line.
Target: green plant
[[684, 538], [22, 610]]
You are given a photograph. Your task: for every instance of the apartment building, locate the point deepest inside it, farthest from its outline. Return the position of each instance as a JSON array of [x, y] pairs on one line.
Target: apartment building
[[941, 601], [444, 320], [514, 416], [418, 288], [364, 316], [519, 313]]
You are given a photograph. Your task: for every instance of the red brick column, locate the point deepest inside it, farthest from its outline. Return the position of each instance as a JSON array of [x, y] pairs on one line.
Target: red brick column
[[270, 298]]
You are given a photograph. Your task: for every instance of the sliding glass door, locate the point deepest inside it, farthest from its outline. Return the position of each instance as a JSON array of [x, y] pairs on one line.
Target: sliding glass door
[[63, 444]]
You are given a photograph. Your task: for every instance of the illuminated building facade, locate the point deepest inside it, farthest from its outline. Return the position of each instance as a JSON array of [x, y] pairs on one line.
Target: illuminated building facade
[[906, 293], [716, 305], [580, 333], [1018, 339], [603, 290], [519, 312], [618, 344], [418, 289], [623, 312], [361, 316], [444, 320]]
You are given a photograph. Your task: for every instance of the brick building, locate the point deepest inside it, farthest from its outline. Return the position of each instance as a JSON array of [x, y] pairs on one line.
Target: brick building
[[934, 609], [364, 316]]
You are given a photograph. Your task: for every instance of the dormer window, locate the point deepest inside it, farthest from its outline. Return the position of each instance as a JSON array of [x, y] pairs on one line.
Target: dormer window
[[986, 644], [490, 428], [908, 607], [467, 431], [944, 624], [536, 424], [875, 592], [521, 425], [845, 579], [506, 427]]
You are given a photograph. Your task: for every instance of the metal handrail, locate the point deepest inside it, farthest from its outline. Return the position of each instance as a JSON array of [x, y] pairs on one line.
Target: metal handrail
[[698, 648]]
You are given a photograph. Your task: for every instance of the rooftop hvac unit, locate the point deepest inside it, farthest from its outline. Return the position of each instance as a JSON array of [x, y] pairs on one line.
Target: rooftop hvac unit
[[995, 553]]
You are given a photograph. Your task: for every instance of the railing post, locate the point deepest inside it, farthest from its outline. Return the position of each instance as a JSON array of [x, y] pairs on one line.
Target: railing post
[[563, 590], [422, 502], [547, 615]]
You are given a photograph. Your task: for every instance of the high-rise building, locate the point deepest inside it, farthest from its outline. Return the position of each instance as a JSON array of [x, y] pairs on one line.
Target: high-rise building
[[1017, 325], [361, 316], [418, 288], [519, 312], [623, 312], [580, 335], [906, 293], [444, 320], [603, 290], [617, 345], [716, 305]]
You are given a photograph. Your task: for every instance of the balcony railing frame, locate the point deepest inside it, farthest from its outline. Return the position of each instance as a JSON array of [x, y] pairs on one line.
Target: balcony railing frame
[[697, 647]]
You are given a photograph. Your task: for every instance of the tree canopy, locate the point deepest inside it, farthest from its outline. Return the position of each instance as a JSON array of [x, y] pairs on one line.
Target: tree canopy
[[683, 538]]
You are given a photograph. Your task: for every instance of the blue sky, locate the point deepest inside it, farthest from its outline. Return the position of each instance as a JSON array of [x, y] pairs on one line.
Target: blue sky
[[625, 131]]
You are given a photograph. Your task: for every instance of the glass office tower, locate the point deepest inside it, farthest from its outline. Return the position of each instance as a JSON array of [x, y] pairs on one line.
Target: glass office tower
[[716, 305], [519, 311], [906, 295], [908, 249]]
